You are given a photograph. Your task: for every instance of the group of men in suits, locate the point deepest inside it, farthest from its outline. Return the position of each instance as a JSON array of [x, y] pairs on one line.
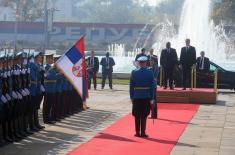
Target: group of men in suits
[[107, 64], [187, 60]]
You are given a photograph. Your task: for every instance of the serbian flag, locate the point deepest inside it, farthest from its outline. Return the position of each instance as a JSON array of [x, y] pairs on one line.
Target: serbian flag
[[73, 65]]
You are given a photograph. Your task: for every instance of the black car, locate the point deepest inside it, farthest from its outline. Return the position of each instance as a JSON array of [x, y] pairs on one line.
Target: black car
[[226, 79]]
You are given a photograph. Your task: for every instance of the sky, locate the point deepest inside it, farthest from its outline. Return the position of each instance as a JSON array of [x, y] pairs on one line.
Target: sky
[[154, 2]]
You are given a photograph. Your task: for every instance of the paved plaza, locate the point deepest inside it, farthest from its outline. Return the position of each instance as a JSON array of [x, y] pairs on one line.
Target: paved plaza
[[211, 131]]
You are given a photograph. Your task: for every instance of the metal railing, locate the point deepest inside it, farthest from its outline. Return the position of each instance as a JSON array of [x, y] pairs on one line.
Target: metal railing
[[161, 76], [216, 81], [193, 78]]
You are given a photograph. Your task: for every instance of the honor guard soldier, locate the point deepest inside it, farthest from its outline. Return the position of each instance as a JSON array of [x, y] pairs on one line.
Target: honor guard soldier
[[50, 90], [65, 98], [19, 93], [36, 89], [153, 62], [6, 100], [3, 101], [141, 94], [59, 92], [25, 71], [16, 97]]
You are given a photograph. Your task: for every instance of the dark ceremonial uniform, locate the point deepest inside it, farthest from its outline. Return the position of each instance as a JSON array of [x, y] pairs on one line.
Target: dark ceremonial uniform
[[66, 99], [33, 92], [187, 60], [203, 64], [70, 109], [155, 69], [50, 95], [107, 64], [41, 91], [36, 92], [168, 61], [13, 81], [59, 97], [10, 106], [18, 102], [25, 71], [141, 93], [92, 70], [5, 98]]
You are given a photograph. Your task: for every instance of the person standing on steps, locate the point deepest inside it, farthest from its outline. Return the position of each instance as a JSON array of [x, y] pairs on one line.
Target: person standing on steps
[[168, 61], [187, 61]]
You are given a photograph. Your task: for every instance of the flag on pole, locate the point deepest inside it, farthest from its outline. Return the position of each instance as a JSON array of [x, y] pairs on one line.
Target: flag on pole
[[73, 65]]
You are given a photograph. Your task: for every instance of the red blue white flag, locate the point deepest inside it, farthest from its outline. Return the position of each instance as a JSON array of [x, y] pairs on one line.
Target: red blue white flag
[[73, 65]]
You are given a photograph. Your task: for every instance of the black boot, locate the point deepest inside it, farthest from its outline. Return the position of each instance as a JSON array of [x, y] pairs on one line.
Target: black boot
[[36, 121], [2, 141], [31, 124], [143, 127], [137, 127], [5, 133]]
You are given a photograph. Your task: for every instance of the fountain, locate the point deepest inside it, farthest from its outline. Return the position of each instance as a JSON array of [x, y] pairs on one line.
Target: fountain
[[195, 23]]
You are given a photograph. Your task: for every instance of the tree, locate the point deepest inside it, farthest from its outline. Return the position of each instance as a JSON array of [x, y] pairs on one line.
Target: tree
[[27, 10], [225, 11], [113, 11]]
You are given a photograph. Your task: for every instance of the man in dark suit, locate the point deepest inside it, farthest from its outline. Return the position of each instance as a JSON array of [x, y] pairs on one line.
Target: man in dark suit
[[151, 57], [168, 61], [187, 60], [143, 51], [107, 64], [92, 69], [203, 63]]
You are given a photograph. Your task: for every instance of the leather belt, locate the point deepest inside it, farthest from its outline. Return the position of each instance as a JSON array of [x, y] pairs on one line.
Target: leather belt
[[50, 81], [141, 88]]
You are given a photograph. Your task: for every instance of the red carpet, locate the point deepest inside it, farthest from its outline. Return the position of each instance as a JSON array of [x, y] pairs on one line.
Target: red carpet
[[118, 139], [207, 90]]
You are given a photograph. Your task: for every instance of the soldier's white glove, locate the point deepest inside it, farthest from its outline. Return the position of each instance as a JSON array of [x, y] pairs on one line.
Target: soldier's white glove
[[3, 99], [42, 88], [23, 92], [152, 101], [18, 71], [9, 73], [27, 91], [42, 68], [19, 95], [28, 70], [8, 97], [14, 95], [25, 61], [23, 71], [15, 72], [5, 74]]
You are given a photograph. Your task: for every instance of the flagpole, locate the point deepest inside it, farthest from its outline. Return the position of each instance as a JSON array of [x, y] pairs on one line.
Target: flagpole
[[16, 27], [45, 26]]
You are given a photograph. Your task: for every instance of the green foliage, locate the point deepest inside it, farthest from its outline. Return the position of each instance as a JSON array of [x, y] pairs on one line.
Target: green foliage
[[126, 11], [28, 10], [112, 11], [224, 10]]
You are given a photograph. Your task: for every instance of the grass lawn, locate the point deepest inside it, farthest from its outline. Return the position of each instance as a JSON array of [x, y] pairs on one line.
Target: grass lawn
[[115, 81]]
